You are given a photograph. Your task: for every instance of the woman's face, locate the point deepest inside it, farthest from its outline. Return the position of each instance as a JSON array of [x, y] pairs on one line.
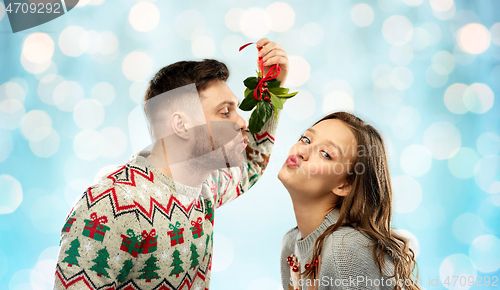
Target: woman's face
[[319, 163]]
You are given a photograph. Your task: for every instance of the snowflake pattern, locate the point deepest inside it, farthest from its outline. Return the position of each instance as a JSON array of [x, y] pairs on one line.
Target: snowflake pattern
[[118, 258], [184, 250], [88, 246], [164, 255], [128, 194], [158, 192]]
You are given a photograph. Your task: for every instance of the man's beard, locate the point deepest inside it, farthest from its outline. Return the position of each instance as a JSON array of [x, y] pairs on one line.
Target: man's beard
[[202, 155]]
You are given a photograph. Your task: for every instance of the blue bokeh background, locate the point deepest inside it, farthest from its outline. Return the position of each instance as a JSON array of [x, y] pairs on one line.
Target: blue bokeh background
[[424, 72]]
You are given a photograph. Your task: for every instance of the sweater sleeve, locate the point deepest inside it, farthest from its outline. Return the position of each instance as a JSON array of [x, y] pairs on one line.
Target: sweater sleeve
[[235, 181], [351, 263]]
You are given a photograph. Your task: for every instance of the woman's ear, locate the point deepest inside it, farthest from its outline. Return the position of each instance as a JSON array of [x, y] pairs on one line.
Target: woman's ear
[[343, 189], [179, 125]]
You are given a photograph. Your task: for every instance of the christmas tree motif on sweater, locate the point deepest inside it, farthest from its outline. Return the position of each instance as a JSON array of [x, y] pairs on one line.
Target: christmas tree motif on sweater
[[149, 242], [176, 263], [72, 253], [101, 263], [148, 272], [176, 237], [194, 257], [95, 228], [206, 247], [69, 223], [131, 243], [197, 228], [127, 265], [210, 212]]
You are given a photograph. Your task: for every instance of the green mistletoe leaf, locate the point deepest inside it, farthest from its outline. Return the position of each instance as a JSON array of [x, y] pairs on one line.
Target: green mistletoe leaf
[[274, 83], [279, 91], [255, 122], [266, 111], [276, 101], [250, 82], [248, 103], [287, 96]]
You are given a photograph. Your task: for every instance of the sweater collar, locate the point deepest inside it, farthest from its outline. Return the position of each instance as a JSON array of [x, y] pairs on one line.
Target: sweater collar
[[181, 189], [306, 244]]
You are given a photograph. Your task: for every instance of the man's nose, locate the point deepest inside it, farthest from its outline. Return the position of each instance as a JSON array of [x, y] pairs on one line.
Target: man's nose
[[240, 124]]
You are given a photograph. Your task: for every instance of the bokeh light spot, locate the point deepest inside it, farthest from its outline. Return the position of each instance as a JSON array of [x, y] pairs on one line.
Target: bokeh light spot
[[415, 160], [283, 16], [457, 265], [137, 66], [488, 144], [144, 16], [478, 98], [463, 163], [467, 227], [474, 38], [74, 41], [443, 140], [454, 98], [397, 30], [487, 173], [12, 194], [485, 253], [362, 15], [88, 114]]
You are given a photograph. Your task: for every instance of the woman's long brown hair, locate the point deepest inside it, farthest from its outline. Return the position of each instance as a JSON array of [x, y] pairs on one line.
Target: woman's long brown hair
[[368, 206]]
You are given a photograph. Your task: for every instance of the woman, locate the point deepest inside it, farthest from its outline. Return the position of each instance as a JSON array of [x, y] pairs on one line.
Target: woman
[[338, 179]]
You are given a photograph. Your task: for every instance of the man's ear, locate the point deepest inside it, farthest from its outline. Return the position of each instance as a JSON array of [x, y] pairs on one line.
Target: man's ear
[[343, 189], [179, 125]]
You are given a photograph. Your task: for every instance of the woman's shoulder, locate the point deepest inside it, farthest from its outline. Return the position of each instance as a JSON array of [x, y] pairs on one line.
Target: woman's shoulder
[[347, 243], [290, 236]]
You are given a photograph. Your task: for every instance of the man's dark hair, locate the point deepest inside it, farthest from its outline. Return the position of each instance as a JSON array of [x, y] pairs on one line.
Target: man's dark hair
[[201, 73]]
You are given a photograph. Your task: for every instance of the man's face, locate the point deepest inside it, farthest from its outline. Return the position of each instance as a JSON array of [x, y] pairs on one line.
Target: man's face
[[226, 126]]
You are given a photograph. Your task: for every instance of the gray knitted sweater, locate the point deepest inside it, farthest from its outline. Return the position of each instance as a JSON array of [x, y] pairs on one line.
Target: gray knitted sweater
[[346, 260]]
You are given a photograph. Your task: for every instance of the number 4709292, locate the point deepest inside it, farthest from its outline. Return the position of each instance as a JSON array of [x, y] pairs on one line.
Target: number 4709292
[[33, 8]]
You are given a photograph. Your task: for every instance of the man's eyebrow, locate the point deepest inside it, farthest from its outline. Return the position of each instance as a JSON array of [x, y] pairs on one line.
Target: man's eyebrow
[[329, 141], [230, 103]]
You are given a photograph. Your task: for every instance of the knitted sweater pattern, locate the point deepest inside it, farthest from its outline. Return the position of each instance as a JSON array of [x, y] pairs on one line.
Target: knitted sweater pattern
[[346, 259], [137, 228]]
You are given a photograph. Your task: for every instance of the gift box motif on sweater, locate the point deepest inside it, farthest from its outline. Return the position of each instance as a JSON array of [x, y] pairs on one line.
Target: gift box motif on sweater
[[95, 228], [69, 223], [176, 234], [131, 243], [210, 212], [149, 242], [197, 228]]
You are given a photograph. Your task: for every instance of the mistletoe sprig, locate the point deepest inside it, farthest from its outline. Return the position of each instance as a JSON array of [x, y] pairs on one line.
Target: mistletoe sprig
[[265, 93]]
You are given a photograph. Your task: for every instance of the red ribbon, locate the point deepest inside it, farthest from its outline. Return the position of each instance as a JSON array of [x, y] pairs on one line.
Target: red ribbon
[[197, 222], [271, 74], [98, 221], [151, 234]]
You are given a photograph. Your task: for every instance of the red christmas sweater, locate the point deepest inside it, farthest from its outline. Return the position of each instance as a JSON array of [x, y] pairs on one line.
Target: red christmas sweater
[[138, 229]]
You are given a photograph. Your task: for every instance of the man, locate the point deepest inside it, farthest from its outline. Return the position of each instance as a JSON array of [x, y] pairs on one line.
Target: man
[[149, 225]]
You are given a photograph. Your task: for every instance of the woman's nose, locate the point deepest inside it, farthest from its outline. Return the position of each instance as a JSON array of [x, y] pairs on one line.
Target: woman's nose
[[303, 153]]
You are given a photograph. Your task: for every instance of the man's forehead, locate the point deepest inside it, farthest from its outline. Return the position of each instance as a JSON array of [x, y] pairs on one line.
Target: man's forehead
[[218, 96]]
